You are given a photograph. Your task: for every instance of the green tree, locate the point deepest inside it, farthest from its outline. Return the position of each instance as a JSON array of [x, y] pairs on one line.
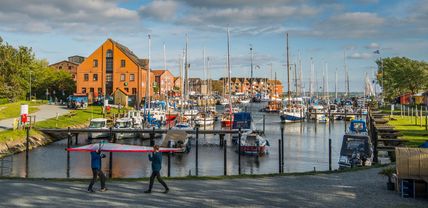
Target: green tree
[[399, 75]]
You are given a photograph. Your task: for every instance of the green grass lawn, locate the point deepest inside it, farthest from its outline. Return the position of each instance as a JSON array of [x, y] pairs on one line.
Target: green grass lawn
[[13, 110], [412, 132], [75, 117]]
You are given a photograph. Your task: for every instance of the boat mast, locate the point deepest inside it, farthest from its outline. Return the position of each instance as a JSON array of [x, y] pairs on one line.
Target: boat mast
[[300, 76], [205, 73], [186, 73], [148, 78], [164, 66], [288, 76], [251, 78], [326, 84], [229, 74], [311, 80], [335, 86], [346, 73]]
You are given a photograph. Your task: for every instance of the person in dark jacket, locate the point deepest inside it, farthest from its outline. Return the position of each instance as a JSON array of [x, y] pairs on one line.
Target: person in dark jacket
[[96, 171], [156, 159]]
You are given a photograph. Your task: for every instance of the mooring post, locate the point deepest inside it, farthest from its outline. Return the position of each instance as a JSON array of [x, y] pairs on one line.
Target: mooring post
[[77, 139], [279, 156], [329, 154], [68, 152], [225, 157], [197, 151], [282, 148], [221, 139], [346, 115], [239, 151], [27, 150], [110, 162], [264, 124], [152, 135], [169, 159]]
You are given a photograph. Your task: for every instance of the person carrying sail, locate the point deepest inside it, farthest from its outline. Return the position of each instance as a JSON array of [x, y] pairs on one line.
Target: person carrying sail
[[96, 157]]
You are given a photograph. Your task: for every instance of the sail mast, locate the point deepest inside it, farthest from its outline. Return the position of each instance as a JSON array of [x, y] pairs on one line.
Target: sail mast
[[186, 73], [229, 72], [288, 75], [147, 99]]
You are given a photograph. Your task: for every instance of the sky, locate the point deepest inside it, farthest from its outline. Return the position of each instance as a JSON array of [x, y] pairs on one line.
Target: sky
[[330, 32]]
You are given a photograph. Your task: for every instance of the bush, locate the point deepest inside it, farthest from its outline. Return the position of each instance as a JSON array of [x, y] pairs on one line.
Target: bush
[[4, 101]]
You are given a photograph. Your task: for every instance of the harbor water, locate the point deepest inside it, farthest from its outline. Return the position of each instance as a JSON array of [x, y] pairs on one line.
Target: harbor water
[[305, 149]]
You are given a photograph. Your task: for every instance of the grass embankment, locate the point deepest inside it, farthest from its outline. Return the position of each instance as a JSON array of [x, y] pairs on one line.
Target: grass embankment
[[75, 117], [416, 134], [13, 110]]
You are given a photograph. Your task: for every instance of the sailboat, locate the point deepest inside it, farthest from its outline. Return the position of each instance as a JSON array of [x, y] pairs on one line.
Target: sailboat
[[227, 118], [294, 110]]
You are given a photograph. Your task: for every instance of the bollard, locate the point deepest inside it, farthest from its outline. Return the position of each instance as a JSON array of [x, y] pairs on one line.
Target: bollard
[[110, 162], [279, 156], [68, 153], [225, 157], [27, 149], [197, 150], [329, 154], [239, 151]]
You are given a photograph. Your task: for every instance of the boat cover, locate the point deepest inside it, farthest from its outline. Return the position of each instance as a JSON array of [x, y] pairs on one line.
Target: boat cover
[[111, 147], [242, 120]]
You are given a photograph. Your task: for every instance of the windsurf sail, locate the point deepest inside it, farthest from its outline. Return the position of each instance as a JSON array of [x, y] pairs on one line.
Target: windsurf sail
[[111, 147]]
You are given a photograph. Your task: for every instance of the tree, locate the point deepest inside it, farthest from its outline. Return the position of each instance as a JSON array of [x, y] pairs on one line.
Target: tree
[[399, 75]]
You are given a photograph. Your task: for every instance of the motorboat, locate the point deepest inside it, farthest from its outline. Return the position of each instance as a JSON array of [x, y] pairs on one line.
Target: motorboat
[[124, 124], [316, 112], [293, 114], [253, 143], [182, 126], [190, 114], [358, 127], [273, 107], [177, 139], [245, 101], [98, 123], [356, 151], [323, 118], [204, 119]]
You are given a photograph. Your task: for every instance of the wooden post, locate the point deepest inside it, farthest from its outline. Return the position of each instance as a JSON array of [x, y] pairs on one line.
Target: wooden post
[[282, 149], [279, 156], [110, 162], [77, 139], [68, 153], [264, 123]]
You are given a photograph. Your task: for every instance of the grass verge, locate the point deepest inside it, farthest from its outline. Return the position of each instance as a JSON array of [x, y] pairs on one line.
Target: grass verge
[[13, 110], [416, 134]]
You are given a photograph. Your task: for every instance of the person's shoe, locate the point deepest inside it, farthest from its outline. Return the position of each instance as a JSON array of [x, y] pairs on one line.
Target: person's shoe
[[103, 189], [148, 191], [91, 191], [166, 191]]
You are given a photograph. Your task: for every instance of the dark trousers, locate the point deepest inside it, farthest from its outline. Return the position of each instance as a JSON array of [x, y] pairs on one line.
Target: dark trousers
[[152, 179], [95, 173]]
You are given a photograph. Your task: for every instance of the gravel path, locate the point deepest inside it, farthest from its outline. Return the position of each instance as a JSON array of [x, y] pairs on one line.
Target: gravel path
[[45, 112], [352, 189]]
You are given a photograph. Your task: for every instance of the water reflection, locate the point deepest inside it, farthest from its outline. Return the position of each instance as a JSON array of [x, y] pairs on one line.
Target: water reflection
[[305, 148]]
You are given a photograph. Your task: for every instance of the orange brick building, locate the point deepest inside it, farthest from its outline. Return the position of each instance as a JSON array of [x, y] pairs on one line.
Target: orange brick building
[[68, 66], [113, 66], [165, 80]]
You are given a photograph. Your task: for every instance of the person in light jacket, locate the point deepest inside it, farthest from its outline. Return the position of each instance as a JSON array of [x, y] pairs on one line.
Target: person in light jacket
[[156, 159]]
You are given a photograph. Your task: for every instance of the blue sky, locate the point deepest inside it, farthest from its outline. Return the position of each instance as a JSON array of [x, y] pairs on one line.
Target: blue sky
[[322, 30]]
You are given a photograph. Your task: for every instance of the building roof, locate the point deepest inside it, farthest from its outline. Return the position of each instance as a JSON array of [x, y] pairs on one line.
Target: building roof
[[124, 92], [158, 72], [63, 61], [131, 55]]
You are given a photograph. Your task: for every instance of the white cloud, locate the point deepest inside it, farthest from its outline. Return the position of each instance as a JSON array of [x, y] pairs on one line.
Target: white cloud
[[373, 46], [363, 55], [161, 10]]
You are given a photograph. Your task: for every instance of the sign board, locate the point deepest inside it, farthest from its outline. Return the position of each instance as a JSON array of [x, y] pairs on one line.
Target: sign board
[[105, 102], [24, 113]]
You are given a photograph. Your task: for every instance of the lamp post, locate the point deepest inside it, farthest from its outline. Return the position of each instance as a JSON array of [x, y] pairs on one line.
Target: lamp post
[[30, 87]]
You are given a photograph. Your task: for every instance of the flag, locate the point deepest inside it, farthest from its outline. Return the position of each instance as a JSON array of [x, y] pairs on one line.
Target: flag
[[376, 52]]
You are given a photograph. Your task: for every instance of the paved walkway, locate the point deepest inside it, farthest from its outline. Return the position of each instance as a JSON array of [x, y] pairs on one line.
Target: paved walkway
[[45, 112], [353, 189]]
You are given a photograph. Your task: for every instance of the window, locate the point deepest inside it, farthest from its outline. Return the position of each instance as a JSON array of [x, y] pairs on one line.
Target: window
[[126, 89], [60, 67], [109, 77], [109, 61], [83, 89], [122, 77], [95, 77], [134, 91], [95, 63], [86, 77], [69, 67], [91, 90], [74, 76], [131, 77], [122, 63]]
